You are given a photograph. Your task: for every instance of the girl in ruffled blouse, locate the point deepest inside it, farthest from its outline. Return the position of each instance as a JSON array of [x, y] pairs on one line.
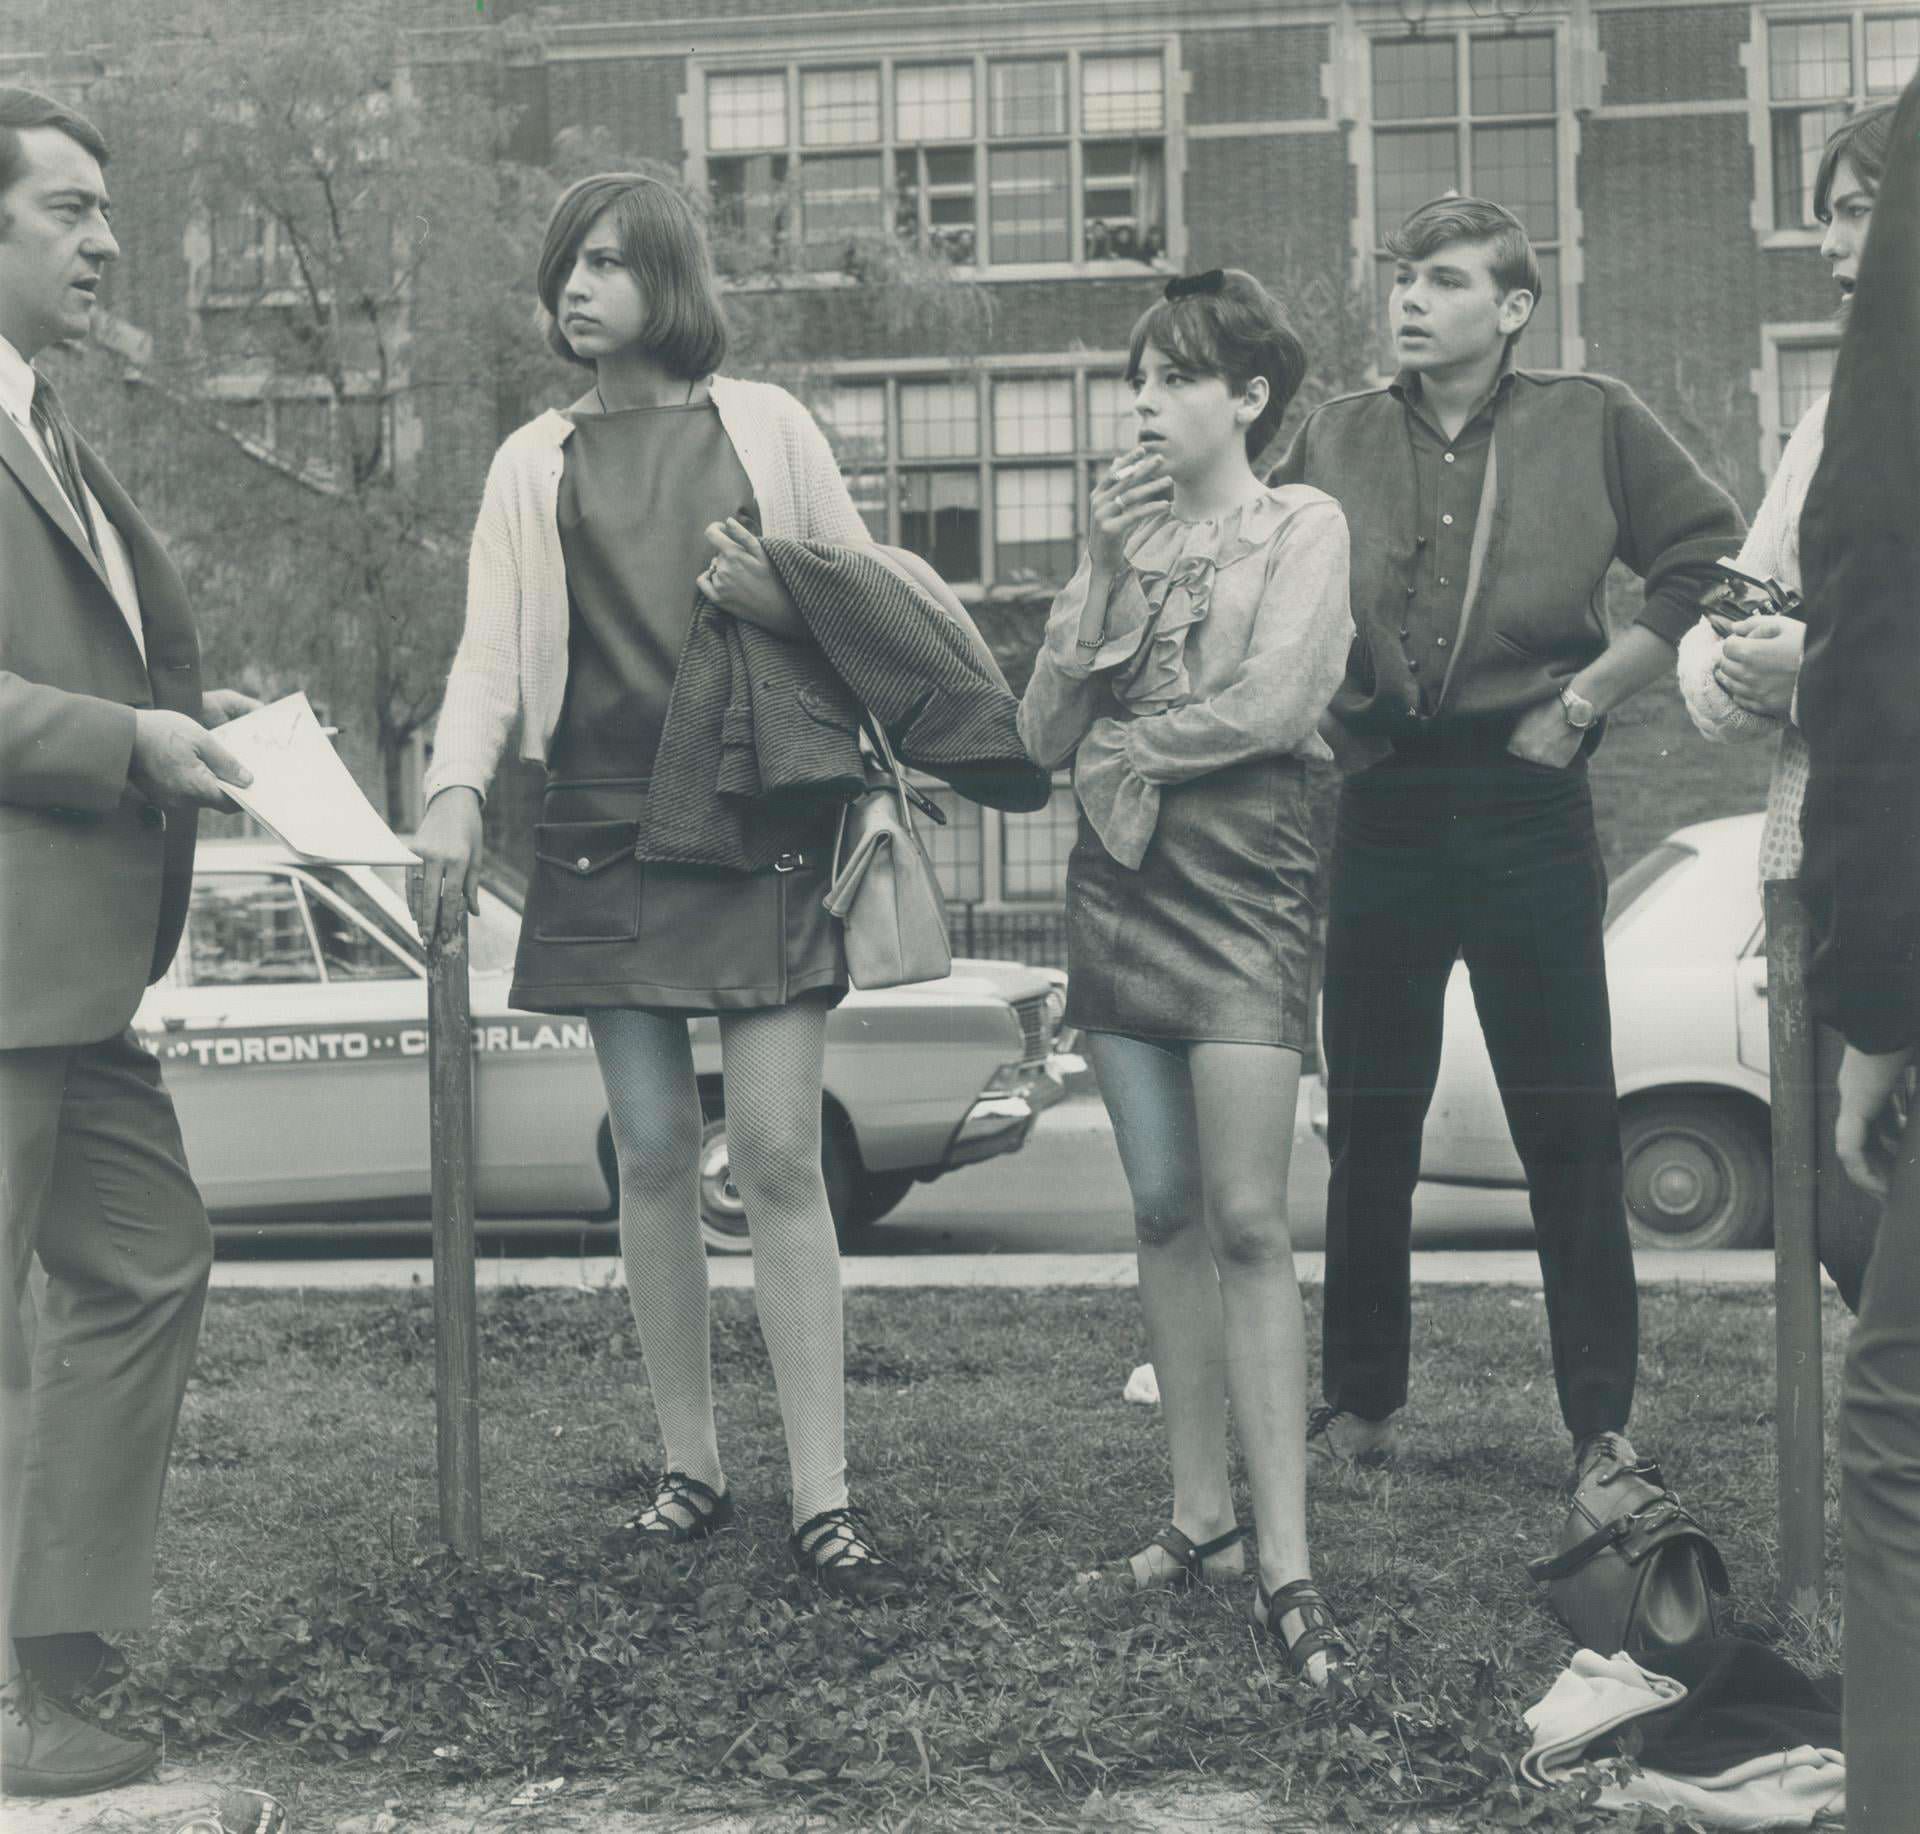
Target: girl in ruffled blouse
[[1185, 668]]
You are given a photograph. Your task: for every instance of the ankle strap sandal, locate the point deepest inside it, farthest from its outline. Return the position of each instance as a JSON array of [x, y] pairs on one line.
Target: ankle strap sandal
[[1319, 1635], [1189, 1559], [708, 1510], [836, 1549]]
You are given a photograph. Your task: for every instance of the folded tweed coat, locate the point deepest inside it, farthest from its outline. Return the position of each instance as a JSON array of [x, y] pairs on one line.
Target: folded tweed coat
[[761, 732]]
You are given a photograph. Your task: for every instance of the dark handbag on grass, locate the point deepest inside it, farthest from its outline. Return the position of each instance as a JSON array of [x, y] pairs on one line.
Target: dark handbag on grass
[[1634, 1571], [885, 891]]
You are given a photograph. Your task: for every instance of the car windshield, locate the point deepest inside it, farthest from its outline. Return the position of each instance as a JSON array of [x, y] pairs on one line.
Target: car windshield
[[1642, 876]]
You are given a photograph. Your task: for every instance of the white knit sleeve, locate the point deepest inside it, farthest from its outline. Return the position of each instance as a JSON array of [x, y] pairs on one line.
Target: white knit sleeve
[[826, 509], [483, 687]]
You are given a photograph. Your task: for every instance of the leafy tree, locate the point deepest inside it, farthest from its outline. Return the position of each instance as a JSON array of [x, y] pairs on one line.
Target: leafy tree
[[325, 323]]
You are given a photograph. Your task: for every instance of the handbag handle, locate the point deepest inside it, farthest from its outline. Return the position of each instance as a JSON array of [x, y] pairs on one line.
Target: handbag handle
[[931, 810], [891, 765]]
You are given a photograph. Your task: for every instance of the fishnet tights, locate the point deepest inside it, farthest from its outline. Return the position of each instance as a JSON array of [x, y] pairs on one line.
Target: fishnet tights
[[771, 1063]]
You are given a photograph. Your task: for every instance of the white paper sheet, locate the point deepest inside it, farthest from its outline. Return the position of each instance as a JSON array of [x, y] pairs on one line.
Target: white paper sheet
[[301, 790]]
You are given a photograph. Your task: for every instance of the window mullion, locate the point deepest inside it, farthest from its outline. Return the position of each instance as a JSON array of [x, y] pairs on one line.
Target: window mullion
[[1076, 164], [989, 532]]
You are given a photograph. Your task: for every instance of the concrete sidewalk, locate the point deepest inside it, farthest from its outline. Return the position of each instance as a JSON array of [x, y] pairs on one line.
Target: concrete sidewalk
[[1503, 1267]]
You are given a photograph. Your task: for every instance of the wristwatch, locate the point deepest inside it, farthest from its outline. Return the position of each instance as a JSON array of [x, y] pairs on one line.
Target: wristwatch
[[1581, 712]]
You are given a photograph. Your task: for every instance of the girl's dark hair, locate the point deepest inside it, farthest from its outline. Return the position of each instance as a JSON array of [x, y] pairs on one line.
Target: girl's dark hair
[[662, 242], [1236, 333], [1863, 141]]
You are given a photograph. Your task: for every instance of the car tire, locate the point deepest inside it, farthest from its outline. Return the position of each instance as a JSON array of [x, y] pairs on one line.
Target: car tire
[[1699, 1172], [878, 1194], [723, 1217]]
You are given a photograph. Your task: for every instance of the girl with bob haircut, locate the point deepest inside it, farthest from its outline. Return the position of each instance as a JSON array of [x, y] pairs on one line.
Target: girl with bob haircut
[[1185, 668], [598, 524]]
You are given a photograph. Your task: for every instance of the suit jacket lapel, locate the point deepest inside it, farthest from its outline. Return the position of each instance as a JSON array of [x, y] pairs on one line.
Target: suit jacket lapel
[[37, 481], [166, 621]]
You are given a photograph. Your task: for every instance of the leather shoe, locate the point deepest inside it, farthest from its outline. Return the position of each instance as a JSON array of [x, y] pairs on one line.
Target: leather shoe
[[45, 1750], [1611, 1449], [66, 1665], [1351, 1439]]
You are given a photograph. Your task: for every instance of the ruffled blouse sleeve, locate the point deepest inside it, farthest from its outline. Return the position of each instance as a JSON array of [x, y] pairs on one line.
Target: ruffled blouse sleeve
[[1062, 695]]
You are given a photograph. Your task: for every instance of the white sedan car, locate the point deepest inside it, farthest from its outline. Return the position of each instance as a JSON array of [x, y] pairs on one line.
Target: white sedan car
[[1687, 975], [292, 1026]]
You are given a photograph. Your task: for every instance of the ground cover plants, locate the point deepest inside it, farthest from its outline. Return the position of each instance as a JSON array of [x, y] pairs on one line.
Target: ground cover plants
[[310, 1624]]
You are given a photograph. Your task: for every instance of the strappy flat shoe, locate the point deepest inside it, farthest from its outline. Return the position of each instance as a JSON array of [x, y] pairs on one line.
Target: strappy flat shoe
[[708, 1512], [836, 1548], [1319, 1635], [1189, 1559]]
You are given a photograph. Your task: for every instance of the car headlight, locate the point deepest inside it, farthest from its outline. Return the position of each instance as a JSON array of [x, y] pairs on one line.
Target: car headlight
[[1056, 1004]]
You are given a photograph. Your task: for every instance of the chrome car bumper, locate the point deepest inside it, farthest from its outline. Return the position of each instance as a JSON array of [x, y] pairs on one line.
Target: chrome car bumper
[[1002, 1116]]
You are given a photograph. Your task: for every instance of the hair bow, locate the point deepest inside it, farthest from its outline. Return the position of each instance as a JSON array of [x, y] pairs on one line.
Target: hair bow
[[1186, 286]]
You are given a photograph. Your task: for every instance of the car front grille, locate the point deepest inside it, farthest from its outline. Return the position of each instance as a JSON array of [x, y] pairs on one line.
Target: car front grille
[[1035, 1033]]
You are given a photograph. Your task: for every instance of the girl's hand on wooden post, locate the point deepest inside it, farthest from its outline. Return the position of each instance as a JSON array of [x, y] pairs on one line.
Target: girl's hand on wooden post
[[450, 849]]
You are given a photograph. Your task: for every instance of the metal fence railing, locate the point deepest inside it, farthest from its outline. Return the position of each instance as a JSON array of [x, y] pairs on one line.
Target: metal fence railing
[[1037, 937]]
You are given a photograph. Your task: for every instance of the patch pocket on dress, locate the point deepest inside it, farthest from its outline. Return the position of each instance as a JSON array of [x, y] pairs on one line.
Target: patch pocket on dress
[[586, 881]]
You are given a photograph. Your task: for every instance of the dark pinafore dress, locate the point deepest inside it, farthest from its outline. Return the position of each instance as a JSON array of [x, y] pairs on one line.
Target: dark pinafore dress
[[602, 928]]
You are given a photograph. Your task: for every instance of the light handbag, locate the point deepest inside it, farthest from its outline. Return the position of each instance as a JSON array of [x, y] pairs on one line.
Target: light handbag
[[884, 891]]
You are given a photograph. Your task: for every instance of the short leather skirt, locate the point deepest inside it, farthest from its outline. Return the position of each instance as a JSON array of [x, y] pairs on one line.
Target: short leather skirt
[[604, 928], [1211, 940]]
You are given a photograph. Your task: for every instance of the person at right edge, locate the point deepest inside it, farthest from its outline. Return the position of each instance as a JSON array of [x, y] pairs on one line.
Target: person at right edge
[[1486, 504], [1859, 711]]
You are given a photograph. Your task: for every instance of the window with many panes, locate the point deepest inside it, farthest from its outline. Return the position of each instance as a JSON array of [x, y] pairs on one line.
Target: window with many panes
[[1476, 113], [1034, 849], [313, 431], [979, 160], [248, 253], [1805, 374], [955, 848], [986, 475], [1818, 70]]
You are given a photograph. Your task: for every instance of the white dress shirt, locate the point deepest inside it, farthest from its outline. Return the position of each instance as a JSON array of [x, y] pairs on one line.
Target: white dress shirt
[[16, 400]]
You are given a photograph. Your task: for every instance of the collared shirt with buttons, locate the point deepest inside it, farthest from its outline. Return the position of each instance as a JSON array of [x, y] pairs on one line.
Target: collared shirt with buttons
[[1448, 477]]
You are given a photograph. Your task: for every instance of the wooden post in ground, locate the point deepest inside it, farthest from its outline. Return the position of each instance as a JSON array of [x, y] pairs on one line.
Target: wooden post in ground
[[1798, 1399], [456, 1336]]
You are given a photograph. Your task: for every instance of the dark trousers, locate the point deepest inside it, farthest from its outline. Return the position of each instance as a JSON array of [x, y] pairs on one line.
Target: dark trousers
[[1495, 860], [1880, 1519], [94, 1181]]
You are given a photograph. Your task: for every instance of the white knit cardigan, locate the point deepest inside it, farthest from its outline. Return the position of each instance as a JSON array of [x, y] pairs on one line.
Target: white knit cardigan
[[512, 657]]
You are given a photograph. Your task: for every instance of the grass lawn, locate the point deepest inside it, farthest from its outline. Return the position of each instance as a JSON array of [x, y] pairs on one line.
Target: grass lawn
[[310, 1628]]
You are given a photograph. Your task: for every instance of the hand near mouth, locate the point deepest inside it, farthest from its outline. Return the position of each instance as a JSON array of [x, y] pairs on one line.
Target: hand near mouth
[[1135, 489]]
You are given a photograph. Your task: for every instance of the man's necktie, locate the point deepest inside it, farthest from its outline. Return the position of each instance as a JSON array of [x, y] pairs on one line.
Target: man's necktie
[[56, 433]]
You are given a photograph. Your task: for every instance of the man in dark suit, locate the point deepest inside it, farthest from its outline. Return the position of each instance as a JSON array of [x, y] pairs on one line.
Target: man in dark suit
[[103, 759]]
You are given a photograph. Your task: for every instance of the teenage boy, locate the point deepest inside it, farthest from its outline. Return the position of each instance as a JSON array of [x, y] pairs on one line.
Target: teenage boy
[[1486, 504]]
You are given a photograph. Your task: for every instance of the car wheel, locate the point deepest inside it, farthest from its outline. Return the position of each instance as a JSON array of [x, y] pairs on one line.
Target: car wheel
[[723, 1216], [1699, 1173], [875, 1194]]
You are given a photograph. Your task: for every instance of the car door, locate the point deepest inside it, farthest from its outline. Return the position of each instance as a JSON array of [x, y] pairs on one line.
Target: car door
[[294, 1044], [1750, 1004]]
